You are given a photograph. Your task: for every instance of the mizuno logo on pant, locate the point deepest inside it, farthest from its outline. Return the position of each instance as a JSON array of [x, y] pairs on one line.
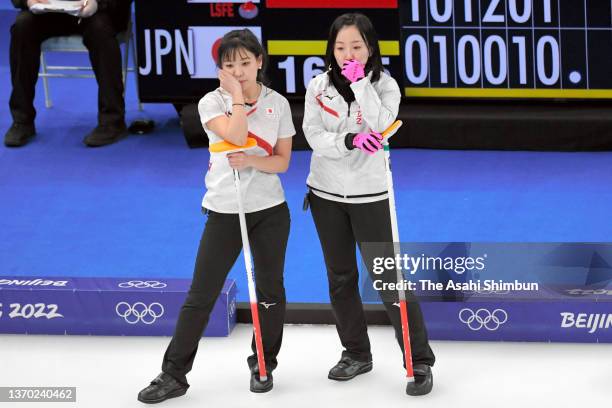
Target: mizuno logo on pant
[[267, 305]]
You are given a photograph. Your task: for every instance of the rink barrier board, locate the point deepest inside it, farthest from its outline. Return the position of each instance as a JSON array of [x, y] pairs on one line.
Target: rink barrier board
[[104, 306]]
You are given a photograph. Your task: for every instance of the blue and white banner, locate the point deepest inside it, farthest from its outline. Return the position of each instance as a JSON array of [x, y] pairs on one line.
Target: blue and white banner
[[498, 320], [104, 306]]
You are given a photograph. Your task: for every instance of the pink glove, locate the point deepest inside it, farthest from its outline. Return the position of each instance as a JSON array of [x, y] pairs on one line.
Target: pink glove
[[353, 70], [368, 142]]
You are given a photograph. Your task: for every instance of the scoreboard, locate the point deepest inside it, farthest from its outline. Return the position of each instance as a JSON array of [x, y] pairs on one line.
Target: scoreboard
[[507, 48], [433, 48]]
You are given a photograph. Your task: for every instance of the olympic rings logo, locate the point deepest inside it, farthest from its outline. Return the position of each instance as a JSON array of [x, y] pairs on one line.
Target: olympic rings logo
[[483, 318], [139, 312], [138, 284]]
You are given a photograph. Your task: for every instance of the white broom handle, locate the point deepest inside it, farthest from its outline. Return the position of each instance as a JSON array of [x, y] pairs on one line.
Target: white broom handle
[[246, 247], [245, 240], [399, 276], [393, 213]]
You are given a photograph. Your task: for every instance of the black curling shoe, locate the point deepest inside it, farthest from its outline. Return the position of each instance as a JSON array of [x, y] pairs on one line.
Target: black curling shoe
[[19, 134], [104, 135], [163, 387], [347, 368], [259, 386], [423, 381]]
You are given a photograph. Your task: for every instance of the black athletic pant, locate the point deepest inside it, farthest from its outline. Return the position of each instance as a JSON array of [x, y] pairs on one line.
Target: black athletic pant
[[99, 36], [219, 248], [340, 226]]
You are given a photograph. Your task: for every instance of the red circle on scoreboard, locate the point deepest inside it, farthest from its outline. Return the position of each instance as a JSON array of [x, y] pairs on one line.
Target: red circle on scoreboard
[[215, 49], [248, 6]]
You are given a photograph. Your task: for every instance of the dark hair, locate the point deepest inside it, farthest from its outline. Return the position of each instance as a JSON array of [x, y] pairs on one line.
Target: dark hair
[[245, 39], [366, 29]]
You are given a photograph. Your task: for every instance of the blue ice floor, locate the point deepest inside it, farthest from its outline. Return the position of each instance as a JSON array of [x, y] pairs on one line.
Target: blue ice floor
[[133, 209]]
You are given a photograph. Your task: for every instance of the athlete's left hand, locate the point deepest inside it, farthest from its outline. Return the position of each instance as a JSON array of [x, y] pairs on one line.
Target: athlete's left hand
[[239, 160]]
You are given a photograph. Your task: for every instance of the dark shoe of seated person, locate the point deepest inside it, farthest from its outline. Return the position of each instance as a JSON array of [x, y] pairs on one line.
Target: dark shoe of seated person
[[19, 134], [348, 368], [257, 385], [423, 381], [104, 135], [163, 387]]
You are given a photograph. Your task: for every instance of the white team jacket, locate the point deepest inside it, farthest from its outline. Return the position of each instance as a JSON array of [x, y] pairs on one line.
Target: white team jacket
[[335, 172]]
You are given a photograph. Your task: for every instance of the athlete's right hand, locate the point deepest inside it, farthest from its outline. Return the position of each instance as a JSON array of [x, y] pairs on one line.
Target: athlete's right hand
[[368, 142], [353, 70], [228, 82]]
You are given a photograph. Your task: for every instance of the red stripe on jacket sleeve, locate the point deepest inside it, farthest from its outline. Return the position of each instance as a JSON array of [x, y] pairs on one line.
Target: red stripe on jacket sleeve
[[326, 108]]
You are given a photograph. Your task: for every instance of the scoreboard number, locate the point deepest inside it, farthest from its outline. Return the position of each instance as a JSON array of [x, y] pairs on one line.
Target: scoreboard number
[[520, 10], [507, 48], [310, 68], [416, 54]]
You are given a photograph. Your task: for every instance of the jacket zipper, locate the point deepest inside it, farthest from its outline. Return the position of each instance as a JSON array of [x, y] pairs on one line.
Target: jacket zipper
[[348, 118]]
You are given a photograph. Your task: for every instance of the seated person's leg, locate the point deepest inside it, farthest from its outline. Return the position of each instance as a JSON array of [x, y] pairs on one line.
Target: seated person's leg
[[27, 34], [100, 37]]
